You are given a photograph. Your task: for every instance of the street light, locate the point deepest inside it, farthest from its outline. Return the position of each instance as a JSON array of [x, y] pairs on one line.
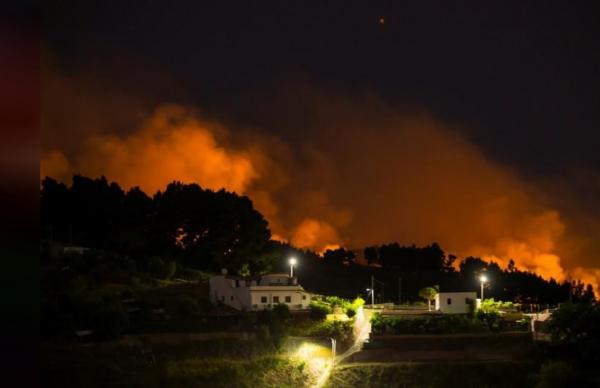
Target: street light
[[292, 262], [483, 279], [333, 346]]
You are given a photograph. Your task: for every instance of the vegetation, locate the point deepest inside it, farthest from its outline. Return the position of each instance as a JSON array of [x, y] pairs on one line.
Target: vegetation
[[321, 307], [204, 230], [498, 374], [428, 293], [443, 324], [491, 305], [269, 371], [215, 363], [272, 324], [150, 258], [556, 374], [340, 330], [575, 332], [195, 227]]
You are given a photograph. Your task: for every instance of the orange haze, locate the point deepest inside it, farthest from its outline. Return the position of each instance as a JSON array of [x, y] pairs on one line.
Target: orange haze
[[364, 174]]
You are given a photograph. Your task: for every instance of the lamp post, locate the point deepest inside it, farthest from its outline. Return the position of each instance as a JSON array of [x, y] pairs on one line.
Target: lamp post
[[371, 295], [292, 262], [483, 279], [333, 346]]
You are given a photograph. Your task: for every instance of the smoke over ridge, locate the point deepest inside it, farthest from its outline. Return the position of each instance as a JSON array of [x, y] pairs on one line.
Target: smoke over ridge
[[364, 172]]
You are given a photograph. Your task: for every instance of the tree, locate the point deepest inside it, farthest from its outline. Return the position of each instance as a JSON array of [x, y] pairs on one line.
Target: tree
[[448, 263], [339, 256], [371, 255], [208, 229], [556, 374], [429, 294], [577, 326]]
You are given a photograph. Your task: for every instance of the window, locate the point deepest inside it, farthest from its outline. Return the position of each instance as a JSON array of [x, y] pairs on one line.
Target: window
[[468, 301], [303, 297], [263, 299], [449, 301], [223, 298], [237, 283], [288, 299], [231, 298], [275, 299]]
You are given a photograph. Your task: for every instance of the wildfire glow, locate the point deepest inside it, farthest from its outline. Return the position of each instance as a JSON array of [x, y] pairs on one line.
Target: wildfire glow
[[386, 177]]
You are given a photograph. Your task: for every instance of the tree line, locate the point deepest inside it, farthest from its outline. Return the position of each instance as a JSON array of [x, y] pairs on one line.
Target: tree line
[[210, 230], [401, 271], [196, 227]]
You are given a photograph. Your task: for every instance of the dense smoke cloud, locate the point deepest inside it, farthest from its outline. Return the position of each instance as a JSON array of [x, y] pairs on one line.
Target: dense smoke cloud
[[348, 171]]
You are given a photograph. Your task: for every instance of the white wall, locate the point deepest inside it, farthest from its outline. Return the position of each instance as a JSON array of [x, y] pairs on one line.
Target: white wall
[[454, 302], [223, 290], [298, 299], [249, 296]]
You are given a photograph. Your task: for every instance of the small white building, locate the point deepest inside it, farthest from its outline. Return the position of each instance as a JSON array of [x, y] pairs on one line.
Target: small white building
[[247, 294], [455, 302]]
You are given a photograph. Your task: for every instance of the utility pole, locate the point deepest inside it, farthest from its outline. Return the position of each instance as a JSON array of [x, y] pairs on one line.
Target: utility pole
[[372, 291], [399, 290], [481, 291]]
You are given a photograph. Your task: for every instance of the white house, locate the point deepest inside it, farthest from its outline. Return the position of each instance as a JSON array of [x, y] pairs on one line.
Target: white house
[[455, 302], [246, 294]]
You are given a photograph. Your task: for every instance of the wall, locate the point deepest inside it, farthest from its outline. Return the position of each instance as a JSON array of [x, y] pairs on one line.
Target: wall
[[458, 305], [295, 292]]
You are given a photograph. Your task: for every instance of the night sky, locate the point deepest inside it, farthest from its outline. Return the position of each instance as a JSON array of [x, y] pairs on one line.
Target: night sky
[[518, 80], [524, 78]]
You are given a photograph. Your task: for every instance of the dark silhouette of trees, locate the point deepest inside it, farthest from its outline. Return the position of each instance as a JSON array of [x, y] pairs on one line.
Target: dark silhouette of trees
[[197, 227], [207, 229], [372, 255], [339, 256]]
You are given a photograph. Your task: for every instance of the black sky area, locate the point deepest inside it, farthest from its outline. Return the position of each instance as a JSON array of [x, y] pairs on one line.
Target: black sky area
[[522, 78]]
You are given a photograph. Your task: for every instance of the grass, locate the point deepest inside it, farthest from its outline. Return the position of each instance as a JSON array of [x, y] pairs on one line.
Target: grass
[[269, 371], [214, 363], [464, 375]]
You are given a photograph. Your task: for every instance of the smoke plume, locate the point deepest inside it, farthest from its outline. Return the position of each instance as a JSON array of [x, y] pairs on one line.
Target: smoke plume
[[350, 171]]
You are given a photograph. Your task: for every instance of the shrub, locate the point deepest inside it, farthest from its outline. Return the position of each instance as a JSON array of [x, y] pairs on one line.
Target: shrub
[[335, 301], [263, 333], [351, 308], [341, 330], [555, 374], [281, 311], [189, 274], [274, 321], [187, 306], [358, 302], [575, 326], [491, 319], [161, 269], [351, 311], [445, 324], [319, 310]]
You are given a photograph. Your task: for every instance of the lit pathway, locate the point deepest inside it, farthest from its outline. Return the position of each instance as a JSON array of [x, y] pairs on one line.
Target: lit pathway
[[362, 329]]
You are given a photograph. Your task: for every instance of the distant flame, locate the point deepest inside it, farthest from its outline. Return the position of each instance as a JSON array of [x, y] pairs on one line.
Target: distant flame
[[328, 247]]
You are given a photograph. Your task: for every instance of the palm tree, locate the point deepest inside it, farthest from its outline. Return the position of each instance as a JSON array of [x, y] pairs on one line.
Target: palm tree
[[428, 293]]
